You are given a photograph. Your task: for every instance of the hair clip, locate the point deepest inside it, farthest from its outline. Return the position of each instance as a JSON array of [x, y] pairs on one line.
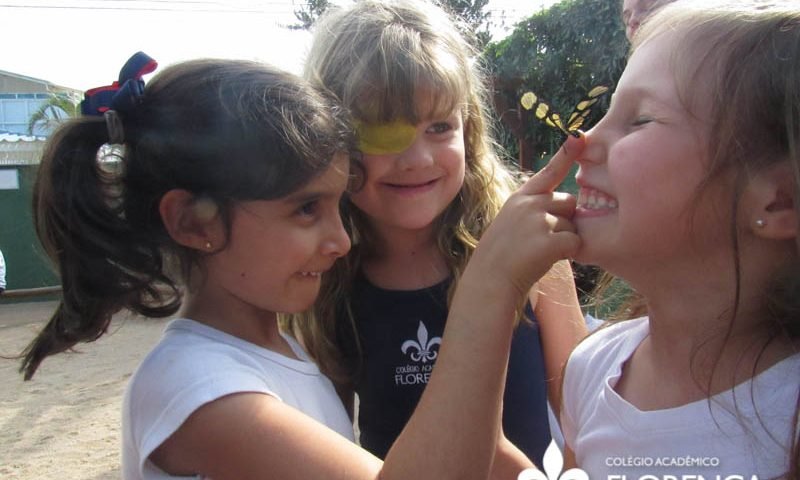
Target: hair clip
[[116, 134]]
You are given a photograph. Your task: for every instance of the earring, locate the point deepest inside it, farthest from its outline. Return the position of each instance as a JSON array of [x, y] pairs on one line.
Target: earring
[[760, 223], [208, 245]]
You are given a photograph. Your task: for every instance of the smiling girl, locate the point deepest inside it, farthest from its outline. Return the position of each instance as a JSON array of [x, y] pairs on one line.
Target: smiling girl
[[223, 199], [689, 190], [428, 184]]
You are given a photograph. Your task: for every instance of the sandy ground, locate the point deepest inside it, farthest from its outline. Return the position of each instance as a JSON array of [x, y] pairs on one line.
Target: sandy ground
[[65, 423]]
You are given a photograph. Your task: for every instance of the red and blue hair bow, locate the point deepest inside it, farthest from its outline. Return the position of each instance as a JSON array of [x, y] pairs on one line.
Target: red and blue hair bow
[[123, 94]]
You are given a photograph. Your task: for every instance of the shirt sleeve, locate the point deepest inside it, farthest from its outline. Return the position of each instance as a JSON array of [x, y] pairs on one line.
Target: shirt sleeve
[[173, 383]]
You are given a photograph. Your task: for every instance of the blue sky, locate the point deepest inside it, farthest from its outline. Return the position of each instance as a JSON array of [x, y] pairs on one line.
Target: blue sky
[[82, 43]]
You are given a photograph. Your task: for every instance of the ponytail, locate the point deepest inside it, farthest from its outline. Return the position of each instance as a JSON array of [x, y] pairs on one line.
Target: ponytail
[[104, 264]]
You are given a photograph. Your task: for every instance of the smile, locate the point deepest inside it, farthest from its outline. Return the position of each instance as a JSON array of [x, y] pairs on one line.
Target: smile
[[310, 274], [591, 199], [411, 186]]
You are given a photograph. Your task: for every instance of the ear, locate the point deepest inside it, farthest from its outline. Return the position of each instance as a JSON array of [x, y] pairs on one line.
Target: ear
[[191, 221], [770, 203]]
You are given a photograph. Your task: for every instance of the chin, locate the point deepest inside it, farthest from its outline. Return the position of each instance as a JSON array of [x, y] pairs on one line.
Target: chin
[[585, 256]]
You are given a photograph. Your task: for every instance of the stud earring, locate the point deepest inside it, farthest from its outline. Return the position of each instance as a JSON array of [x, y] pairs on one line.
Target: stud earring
[[209, 246], [760, 223]]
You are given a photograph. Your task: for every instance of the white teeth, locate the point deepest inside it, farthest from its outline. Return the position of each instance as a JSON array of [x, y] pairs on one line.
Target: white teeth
[[592, 199], [311, 274]]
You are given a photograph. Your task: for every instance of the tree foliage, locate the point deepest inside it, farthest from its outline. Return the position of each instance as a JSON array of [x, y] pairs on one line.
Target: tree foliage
[[309, 12], [560, 54], [475, 19], [59, 107]]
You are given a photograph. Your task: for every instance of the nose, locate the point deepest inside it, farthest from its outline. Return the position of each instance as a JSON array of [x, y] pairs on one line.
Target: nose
[[594, 152], [337, 242], [418, 155]]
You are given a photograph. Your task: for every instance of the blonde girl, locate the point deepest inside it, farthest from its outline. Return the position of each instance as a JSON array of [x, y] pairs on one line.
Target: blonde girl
[[427, 186], [690, 188]]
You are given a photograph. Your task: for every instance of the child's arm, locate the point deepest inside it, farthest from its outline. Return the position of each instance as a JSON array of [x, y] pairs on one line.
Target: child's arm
[[454, 430], [561, 324], [509, 460]]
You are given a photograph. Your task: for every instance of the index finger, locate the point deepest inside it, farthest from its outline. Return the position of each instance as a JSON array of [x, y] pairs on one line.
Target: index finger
[[551, 175]]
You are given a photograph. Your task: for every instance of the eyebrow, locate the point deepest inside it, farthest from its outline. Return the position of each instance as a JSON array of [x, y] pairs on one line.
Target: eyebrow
[[303, 195], [299, 198]]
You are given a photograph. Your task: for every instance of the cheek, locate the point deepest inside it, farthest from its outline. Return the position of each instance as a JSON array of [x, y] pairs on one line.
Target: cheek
[[360, 199], [454, 158], [372, 166]]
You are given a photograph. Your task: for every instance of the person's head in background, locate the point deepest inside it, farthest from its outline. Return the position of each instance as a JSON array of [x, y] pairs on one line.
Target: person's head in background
[[634, 12]]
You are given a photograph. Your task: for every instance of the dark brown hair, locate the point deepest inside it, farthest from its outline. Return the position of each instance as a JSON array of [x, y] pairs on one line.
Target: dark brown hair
[[224, 130]]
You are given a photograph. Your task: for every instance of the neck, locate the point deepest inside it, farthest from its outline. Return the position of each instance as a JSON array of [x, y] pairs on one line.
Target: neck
[[699, 325], [212, 307], [406, 260]]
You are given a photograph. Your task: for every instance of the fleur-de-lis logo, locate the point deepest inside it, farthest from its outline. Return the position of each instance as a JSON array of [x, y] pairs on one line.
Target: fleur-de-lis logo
[[422, 348], [553, 463]]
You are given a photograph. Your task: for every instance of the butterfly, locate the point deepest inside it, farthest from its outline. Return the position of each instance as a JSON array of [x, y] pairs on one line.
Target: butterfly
[[543, 112]]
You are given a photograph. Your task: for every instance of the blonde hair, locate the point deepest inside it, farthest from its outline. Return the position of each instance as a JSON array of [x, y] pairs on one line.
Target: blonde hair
[[379, 58], [747, 54]]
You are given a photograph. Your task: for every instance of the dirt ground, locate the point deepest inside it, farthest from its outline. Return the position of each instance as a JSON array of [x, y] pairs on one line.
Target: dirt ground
[[65, 423]]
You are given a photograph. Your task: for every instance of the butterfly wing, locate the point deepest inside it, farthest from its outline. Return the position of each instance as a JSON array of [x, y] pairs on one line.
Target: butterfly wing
[[583, 109], [542, 111]]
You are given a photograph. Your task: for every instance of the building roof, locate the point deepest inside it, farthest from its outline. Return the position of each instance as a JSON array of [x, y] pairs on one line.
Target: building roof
[[15, 137], [50, 85]]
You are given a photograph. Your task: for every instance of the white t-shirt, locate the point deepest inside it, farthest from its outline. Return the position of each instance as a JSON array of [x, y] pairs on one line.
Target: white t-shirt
[[611, 438], [194, 364]]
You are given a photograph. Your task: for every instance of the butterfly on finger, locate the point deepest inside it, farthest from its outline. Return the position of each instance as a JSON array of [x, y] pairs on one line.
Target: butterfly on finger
[[570, 126]]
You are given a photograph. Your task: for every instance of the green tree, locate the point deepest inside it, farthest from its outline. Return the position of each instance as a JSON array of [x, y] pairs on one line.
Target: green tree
[[58, 108], [475, 19], [560, 54], [472, 13], [309, 12]]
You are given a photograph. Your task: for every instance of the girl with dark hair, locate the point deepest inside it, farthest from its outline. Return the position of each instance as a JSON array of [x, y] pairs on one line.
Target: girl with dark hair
[[224, 202]]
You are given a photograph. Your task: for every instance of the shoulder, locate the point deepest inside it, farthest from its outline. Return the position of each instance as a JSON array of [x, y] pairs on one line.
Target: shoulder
[[611, 338], [191, 353], [191, 366], [593, 361], [602, 352]]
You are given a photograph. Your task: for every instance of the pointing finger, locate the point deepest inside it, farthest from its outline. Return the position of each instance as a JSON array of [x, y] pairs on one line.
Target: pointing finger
[[551, 175]]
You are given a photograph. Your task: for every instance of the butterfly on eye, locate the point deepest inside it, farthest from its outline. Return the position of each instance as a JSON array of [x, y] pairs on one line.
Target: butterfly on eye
[[542, 111]]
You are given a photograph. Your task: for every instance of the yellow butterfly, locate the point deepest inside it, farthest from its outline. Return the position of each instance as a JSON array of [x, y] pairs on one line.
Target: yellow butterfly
[[543, 112]]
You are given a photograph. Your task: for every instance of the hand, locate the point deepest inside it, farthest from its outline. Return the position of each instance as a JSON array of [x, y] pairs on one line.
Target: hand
[[534, 228]]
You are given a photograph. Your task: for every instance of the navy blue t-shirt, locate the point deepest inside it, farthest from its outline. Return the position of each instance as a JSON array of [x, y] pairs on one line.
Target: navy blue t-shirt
[[400, 333]]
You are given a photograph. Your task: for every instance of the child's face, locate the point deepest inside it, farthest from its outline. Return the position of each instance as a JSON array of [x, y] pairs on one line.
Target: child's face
[[638, 206], [410, 189], [278, 248]]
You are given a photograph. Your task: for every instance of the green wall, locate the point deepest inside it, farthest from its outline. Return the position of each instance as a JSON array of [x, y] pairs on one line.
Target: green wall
[[26, 264]]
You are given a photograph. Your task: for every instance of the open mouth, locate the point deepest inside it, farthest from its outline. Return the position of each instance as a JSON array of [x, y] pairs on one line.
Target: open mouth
[[592, 199]]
